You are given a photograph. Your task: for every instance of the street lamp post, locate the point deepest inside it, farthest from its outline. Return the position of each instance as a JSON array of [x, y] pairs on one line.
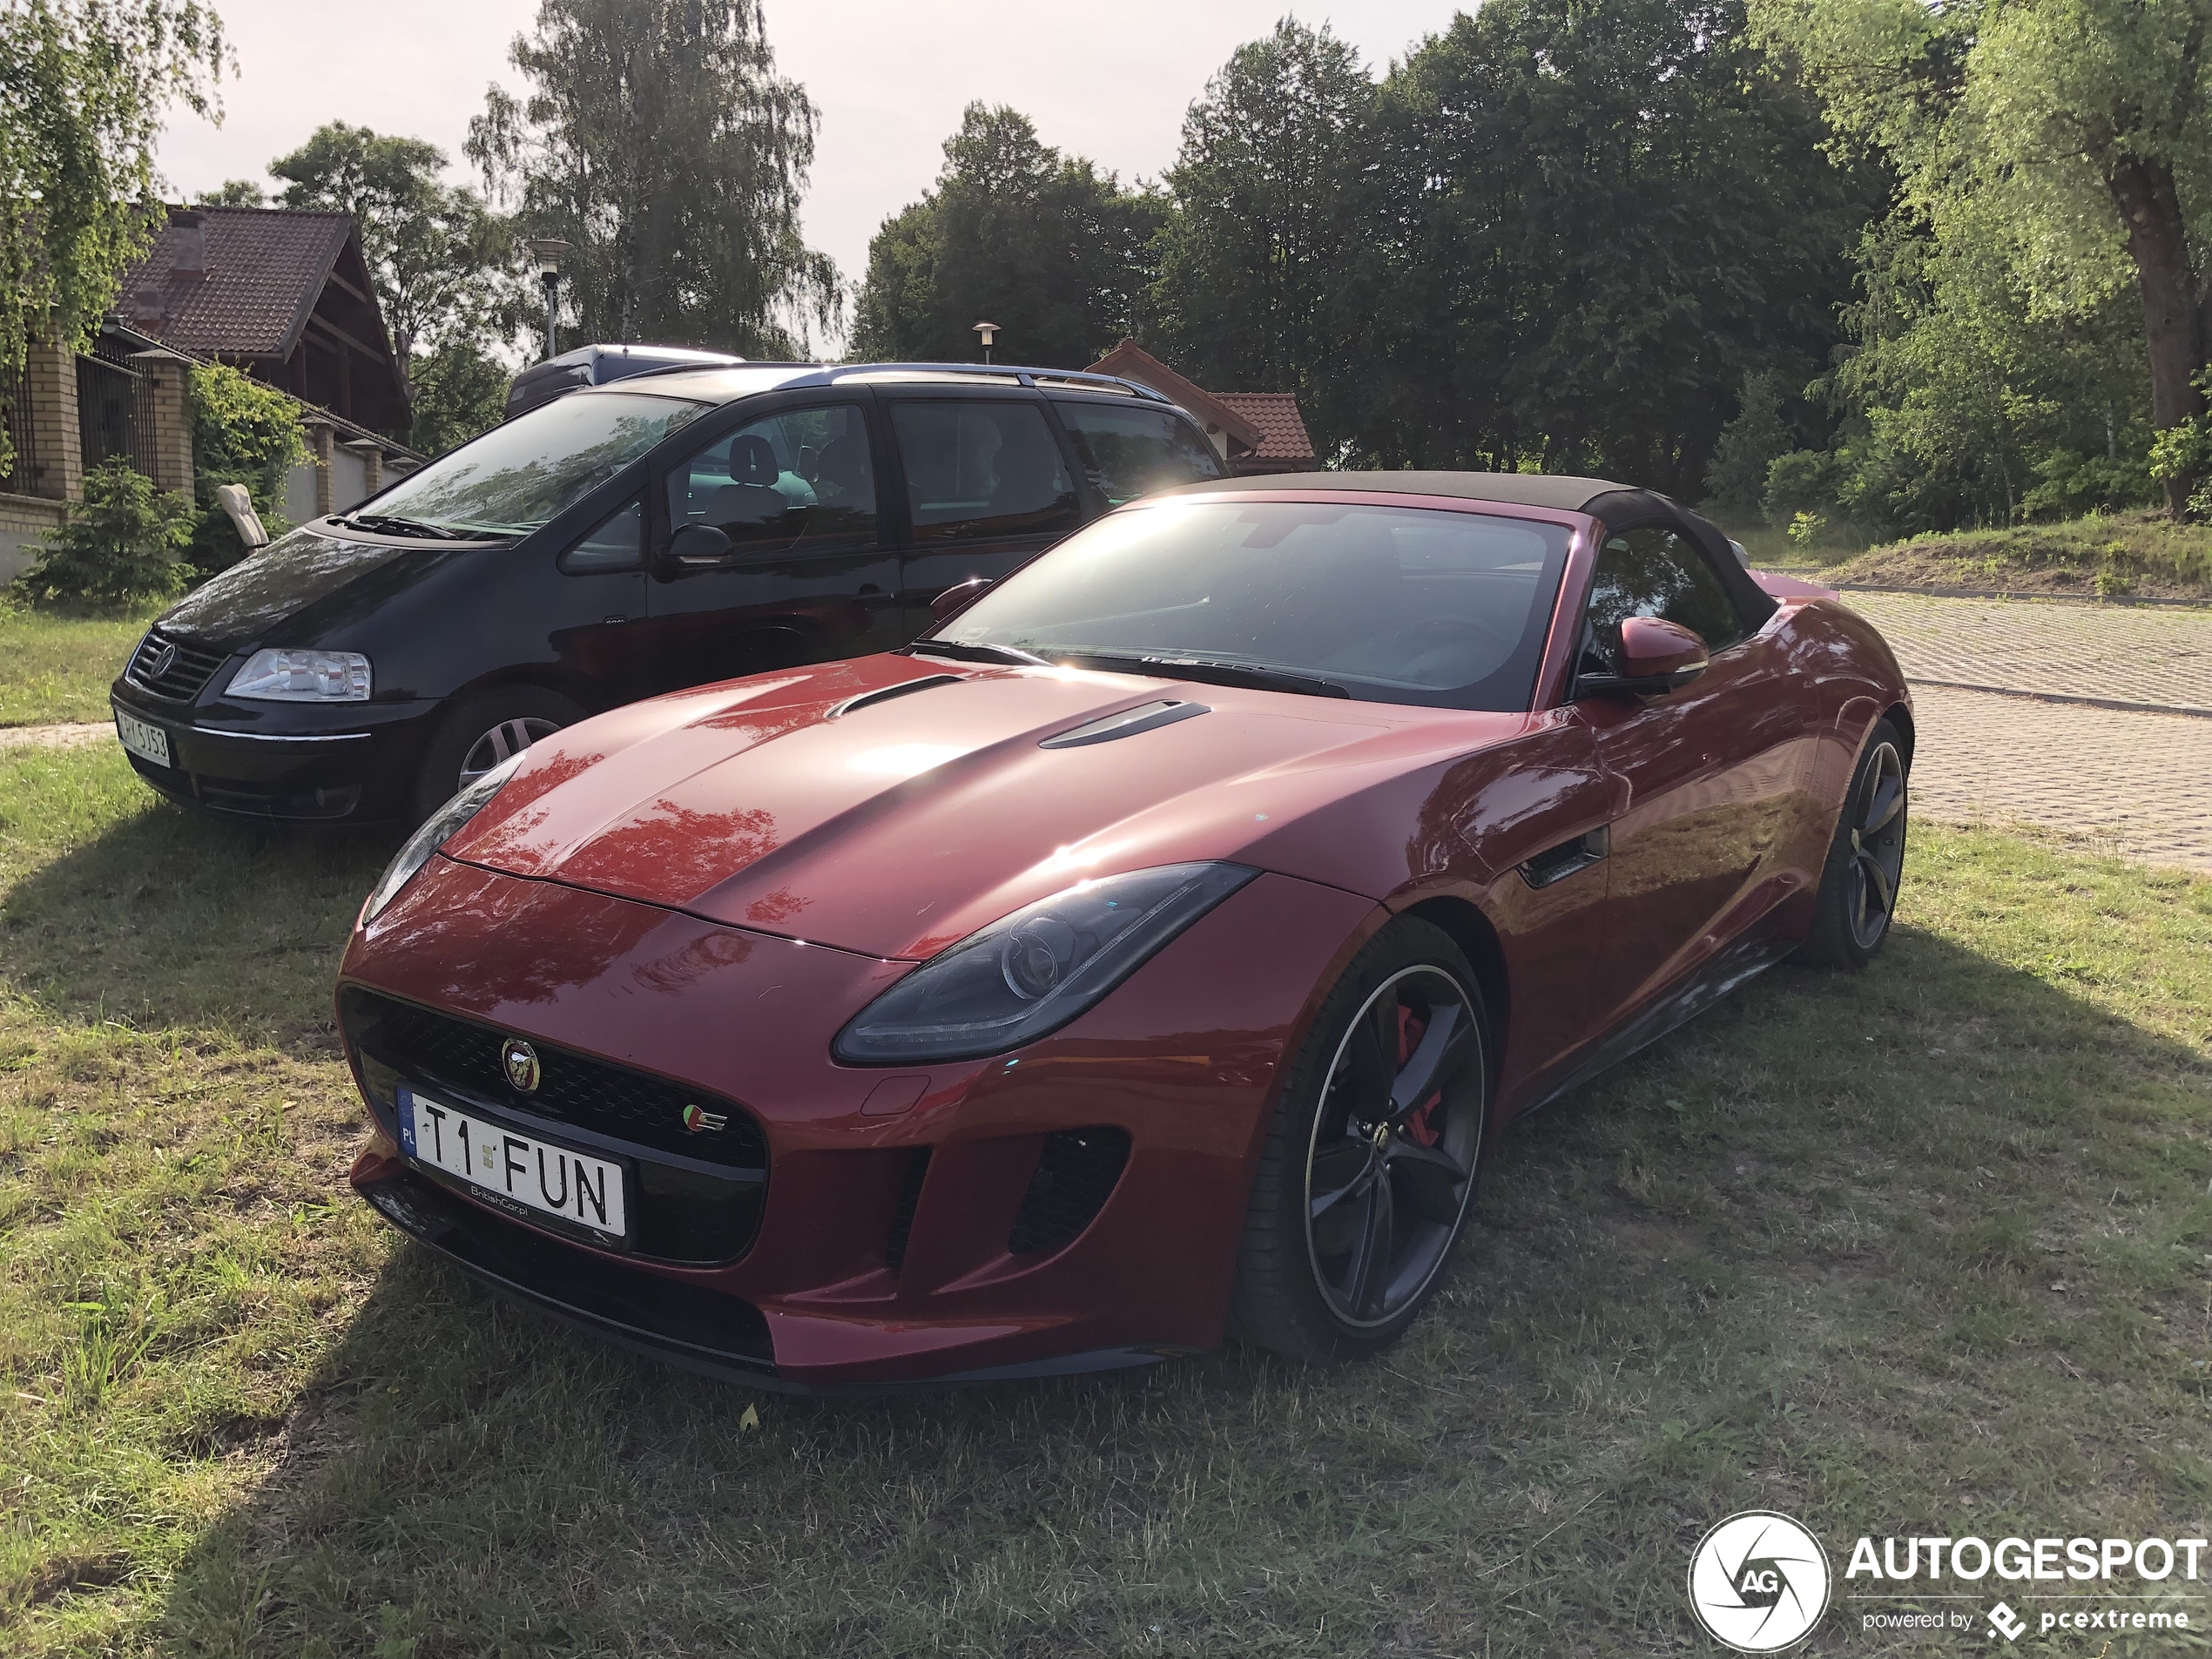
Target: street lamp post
[[989, 332], [549, 252]]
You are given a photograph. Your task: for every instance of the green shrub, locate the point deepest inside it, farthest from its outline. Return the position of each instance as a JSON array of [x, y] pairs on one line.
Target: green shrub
[[120, 544], [242, 432], [1805, 481]]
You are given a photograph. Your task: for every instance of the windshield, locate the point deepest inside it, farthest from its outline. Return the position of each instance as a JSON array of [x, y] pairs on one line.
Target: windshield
[[518, 475], [1392, 605]]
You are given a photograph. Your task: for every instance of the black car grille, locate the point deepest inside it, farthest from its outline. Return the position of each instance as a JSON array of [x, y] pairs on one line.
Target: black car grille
[[184, 669], [1076, 1172], [573, 1087]]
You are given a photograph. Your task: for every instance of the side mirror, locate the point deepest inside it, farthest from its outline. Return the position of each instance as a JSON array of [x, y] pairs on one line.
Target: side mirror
[[698, 546], [958, 598], [1656, 657]]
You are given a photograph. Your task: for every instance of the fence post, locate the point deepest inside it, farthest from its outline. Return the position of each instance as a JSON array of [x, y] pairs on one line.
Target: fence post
[[49, 386], [322, 441], [170, 447]]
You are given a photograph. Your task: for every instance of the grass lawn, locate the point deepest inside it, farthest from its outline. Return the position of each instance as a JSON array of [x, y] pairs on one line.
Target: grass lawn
[[56, 665], [1924, 1251]]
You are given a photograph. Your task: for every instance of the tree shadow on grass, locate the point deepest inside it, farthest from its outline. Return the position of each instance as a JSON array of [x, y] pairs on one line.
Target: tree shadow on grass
[[169, 917], [1654, 1322]]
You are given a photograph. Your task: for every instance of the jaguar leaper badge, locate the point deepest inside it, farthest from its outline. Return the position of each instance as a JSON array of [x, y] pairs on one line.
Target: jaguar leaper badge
[[520, 1061], [699, 1121]]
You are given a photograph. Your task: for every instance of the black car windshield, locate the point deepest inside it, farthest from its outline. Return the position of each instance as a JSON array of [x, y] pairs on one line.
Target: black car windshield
[[1392, 604], [518, 475]]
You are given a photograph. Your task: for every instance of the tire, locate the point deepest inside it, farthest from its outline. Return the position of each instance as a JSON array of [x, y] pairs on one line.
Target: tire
[[481, 732], [1858, 884], [1342, 1142]]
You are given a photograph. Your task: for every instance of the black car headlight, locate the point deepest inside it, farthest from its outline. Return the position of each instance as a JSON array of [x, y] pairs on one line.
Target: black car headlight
[[439, 828], [1030, 972]]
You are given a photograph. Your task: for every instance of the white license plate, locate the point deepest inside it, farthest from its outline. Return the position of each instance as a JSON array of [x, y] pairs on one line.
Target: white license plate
[[142, 738], [552, 1180]]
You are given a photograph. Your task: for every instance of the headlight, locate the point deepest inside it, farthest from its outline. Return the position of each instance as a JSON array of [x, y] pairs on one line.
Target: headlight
[[1032, 972], [441, 827], [302, 676]]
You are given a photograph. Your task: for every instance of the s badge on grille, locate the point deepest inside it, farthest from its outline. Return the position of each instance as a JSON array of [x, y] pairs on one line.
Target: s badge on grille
[[699, 1121], [520, 1061]]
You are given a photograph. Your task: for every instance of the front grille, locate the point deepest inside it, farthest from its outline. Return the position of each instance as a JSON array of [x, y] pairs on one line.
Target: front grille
[[1076, 1172], [180, 679], [573, 1087]]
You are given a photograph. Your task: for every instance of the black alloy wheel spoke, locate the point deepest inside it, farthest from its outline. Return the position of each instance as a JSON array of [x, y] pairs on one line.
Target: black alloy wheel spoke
[[1365, 1075], [1368, 1277], [1885, 791], [1878, 885], [1432, 1181], [1441, 1052], [1339, 1172]]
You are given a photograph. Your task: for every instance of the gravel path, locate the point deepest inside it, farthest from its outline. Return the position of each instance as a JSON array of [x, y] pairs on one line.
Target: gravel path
[[54, 737]]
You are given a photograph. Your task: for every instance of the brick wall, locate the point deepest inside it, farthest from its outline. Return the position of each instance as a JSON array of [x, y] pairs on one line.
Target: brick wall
[[49, 380], [23, 520]]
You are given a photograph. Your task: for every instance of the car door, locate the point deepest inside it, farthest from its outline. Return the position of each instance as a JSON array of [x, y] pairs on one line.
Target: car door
[[810, 573], [602, 577], [988, 486], [1707, 775]]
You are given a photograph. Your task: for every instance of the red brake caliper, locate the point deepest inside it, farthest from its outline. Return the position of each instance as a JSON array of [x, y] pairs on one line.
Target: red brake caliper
[[1421, 1127]]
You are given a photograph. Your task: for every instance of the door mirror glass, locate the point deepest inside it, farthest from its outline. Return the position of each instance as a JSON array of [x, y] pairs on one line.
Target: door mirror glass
[[982, 470], [801, 481], [617, 545]]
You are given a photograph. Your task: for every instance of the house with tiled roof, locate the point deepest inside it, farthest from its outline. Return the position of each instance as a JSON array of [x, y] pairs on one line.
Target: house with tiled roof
[[1256, 432]]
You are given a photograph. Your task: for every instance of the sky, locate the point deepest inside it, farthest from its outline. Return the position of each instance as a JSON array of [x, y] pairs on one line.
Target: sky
[[890, 80]]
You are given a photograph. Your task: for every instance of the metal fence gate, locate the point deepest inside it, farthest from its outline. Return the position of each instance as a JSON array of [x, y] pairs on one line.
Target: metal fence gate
[[114, 409]]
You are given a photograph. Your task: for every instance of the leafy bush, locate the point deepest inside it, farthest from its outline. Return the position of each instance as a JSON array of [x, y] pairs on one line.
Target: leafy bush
[[242, 432], [120, 543], [1735, 479], [1805, 481]]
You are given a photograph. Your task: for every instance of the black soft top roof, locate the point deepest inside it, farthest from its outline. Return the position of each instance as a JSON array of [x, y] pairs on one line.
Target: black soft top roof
[[1557, 491]]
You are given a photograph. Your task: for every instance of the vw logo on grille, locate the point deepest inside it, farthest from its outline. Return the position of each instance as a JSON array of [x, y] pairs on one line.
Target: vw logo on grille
[[520, 1062], [164, 659]]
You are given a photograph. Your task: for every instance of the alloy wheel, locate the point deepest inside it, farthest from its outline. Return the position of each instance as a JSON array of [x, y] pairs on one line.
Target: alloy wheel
[[1877, 847], [1390, 1171], [508, 738]]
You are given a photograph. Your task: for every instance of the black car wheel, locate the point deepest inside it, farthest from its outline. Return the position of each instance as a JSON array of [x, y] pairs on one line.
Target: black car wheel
[[481, 732], [1866, 865], [1369, 1171]]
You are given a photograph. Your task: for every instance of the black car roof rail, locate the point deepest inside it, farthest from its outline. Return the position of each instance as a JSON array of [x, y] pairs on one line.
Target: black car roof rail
[[1028, 375]]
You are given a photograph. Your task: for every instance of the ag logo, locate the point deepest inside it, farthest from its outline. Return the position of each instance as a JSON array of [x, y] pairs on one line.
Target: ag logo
[[1758, 1583], [520, 1061]]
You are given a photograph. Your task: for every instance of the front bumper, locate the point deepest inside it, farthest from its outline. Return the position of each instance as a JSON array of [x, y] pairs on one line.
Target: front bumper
[[901, 1238], [302, 764]]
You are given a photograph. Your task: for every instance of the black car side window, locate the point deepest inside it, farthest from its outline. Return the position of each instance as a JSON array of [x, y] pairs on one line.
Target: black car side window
[[1654, 571], [800, 482], [981, 469], [1132, 450], [617, 544]]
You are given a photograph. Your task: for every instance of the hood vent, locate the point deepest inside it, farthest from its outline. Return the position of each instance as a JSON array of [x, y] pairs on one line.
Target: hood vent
[[868, 699], [1145, 717]]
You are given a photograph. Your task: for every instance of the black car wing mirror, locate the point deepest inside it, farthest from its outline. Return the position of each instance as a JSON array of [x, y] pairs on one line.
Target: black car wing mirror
[[698, 547]]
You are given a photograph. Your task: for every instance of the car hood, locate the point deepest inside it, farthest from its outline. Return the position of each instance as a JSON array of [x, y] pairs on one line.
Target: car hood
[[897, 826], [300, 586]]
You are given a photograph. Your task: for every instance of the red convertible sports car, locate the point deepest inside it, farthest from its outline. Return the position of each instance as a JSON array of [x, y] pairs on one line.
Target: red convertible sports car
[[1150, 951]]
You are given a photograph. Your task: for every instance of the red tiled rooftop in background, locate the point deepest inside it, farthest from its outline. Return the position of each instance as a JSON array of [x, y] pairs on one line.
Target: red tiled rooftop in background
[[266, 268], [1282, 430]]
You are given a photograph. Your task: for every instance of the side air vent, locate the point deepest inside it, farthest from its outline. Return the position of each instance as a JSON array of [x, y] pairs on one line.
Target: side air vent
[[902, 1216], [1076, 1172], [868, 699], [1145, 717]]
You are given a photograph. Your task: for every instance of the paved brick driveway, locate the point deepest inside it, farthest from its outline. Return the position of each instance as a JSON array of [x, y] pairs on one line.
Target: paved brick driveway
[[2133, 781]]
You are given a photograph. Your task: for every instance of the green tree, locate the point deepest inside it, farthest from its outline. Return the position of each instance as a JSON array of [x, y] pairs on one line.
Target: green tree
[[1253, 258], [442, 262], [2080, 127], [233, 193], [1046, 245], [460, 390], [242, 432], [1590, 223], [659, 142], [83, 87], [121, 543]]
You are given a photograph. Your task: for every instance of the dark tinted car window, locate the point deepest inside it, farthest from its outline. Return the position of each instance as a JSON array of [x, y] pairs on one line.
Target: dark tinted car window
[[978, 470], [1398, 605], [617, 544], [801, 479], [1654, 571], [1131, 451]]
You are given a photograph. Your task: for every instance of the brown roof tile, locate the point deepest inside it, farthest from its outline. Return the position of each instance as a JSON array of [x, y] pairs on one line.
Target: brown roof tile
[[1282, 430], [265, 267]]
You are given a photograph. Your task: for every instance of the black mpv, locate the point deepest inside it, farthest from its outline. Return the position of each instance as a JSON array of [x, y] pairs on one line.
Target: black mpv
[[665, 530]]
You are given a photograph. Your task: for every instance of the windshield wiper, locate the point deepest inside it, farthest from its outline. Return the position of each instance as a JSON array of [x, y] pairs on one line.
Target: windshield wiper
[[1208, 671], [389, 524], [962, 652]]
